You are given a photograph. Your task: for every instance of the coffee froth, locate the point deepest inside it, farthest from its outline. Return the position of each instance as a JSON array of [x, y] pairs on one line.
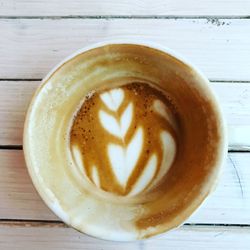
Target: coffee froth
[[125, 137]]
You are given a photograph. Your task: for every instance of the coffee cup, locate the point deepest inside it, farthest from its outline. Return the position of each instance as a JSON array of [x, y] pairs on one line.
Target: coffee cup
[[124, 140]]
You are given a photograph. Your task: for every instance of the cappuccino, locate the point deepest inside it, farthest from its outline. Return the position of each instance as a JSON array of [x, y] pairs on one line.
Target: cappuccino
[[124, 141]]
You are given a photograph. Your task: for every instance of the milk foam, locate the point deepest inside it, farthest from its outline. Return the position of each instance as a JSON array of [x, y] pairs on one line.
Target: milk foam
[[124, 158]]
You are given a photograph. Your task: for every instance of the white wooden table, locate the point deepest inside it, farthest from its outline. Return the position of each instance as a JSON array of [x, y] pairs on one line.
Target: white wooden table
[[36, 34]]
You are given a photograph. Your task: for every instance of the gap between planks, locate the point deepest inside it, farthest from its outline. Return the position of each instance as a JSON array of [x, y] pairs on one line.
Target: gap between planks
[[231, 149], [209, 18], [57, 223], [40, 79]]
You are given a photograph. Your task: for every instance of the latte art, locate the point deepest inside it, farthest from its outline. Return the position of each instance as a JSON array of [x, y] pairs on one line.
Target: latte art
[[125, 139]]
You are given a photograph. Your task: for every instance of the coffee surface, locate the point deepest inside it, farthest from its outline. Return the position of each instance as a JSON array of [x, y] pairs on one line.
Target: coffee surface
[[125, 138]]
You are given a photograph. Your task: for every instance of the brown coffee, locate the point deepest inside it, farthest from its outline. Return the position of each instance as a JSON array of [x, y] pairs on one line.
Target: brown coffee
[[126, 136]]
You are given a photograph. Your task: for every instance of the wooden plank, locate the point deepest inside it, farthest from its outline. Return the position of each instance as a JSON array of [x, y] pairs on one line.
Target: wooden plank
[[14, 101], [31, 47], [123, 7], [19, 199], [16, 95], [235, 102], [234, 99], [184, 238], [229, 204]]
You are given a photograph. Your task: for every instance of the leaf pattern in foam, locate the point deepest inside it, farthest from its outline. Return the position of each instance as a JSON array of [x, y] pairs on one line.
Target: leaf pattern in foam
[[95, 176], [169, 152], [133, 151], [124, 159], [113, 98], [117, 159], [126, 119], [160, 108], [146, 176], [115, 127], [110, 123]]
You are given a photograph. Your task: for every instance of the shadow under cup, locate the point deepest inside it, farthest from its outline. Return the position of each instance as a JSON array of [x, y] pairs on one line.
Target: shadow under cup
[[201, 143]]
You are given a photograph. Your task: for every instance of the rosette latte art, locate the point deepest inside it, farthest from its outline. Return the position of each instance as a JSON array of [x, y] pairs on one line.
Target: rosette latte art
[[125, 139]]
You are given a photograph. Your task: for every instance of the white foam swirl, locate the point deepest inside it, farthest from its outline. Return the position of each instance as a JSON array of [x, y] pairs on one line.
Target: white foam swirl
[[124, 159]]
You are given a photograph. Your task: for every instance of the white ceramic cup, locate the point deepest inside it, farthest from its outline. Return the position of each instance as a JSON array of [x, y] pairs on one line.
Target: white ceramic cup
[[62, 185]]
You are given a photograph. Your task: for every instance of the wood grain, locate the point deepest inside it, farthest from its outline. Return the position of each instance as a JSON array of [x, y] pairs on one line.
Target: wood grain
[[14, 101], [16, 95], [31, 47], [123, 7], [186, 237], [229, 204], [19, 199]]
